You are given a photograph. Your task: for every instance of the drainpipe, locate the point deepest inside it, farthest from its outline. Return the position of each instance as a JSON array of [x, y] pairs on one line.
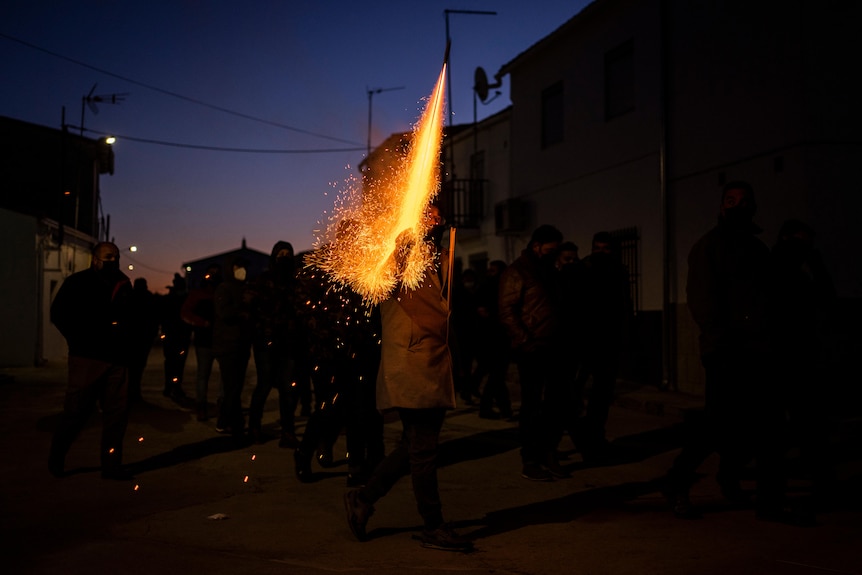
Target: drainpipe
[[669, 355]]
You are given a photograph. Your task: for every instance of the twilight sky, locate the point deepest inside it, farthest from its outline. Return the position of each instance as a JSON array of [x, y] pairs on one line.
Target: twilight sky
[[286, 79]]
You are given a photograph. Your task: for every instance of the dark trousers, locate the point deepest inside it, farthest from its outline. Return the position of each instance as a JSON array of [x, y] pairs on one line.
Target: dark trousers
[[417, 452], [276, 369], [232, 365], [347, 392], [742, 420], [543, 404], [493, 361], [92, 381], [602, 365]]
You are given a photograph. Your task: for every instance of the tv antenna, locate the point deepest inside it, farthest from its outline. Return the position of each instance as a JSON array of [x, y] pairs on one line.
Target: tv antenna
[[90, 100]]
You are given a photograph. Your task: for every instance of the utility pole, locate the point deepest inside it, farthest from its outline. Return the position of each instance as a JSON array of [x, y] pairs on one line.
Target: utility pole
[[370, 96]]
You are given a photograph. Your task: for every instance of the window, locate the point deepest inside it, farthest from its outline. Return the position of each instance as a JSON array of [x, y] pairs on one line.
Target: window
[[619, 80], [552, 115], [627, 241]]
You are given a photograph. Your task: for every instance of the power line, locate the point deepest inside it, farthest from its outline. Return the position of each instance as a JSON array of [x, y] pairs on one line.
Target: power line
[[223, 149], [174, 94]]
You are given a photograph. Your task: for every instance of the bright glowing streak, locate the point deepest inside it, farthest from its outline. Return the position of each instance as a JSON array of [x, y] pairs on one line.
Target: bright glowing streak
[[375, 237]]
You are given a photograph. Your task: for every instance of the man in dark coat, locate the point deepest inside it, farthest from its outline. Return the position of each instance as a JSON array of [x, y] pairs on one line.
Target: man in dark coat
[[604, 314], [530, 312], [277, 342], [232, 335], [92, 311], [725, 289]]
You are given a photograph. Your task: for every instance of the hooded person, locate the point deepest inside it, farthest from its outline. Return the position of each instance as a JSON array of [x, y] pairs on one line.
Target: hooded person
[[232, 335], [277, 342], [92, 309]]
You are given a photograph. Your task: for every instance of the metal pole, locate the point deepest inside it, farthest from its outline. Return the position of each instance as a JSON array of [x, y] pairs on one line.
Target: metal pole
[[370, 95], [446, 12]]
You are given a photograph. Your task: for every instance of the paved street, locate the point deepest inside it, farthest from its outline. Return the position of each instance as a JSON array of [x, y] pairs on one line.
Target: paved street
[[609, 519]]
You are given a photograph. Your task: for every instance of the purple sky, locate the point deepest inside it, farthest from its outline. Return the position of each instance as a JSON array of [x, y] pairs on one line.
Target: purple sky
[[304, 65]]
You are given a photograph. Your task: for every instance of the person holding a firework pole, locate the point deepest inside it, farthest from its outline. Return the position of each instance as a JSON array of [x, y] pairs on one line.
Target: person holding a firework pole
[[415, 380]]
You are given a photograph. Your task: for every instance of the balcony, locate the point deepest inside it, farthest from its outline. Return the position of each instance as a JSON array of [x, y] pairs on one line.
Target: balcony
[[462, 202]]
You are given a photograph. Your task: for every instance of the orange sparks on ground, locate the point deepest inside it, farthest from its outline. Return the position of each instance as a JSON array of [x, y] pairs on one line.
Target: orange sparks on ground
[[253, 457], [245, 479], [137, 487], [375, 237], [140, 439]]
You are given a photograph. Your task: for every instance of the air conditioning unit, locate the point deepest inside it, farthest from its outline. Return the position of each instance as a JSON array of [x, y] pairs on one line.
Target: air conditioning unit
[[510, 217]]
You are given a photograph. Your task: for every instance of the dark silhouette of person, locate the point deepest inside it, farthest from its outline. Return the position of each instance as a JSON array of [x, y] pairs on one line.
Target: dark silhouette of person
[[199, 312], [277, 344], [800, 299], [176, 338], [463, 336], [725, 289], [144, 330], [92, 309], [415, 380], [529, 310], [344, 342], [232, 336], [604, 317], [492, 348]]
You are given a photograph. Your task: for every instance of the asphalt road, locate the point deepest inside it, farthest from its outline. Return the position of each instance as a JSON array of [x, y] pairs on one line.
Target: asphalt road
[[604, 519]]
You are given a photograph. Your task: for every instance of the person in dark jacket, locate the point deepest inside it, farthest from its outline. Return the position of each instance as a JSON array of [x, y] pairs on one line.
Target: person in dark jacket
[[800, 302], [232, 336], [725, 289], [199, 312], [176, 338], [277, 342], [605, 312], [92, 310], [492, 355], [529, 310], [145, 328]]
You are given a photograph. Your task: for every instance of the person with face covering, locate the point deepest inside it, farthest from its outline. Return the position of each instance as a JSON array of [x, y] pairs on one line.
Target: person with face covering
[[232, 335], [604, 312], [530, 312], [92, 310], [277, 342], [725, 290]]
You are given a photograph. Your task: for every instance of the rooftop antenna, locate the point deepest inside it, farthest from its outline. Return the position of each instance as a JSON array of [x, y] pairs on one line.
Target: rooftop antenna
[[91, 100]]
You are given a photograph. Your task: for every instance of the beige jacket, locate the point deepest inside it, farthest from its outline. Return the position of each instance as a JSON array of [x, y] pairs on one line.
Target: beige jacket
[[415, 364]]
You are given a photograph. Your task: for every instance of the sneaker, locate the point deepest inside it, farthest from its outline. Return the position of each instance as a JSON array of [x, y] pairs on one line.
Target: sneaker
[[445, 539], [358, 513], [535, 472], [302, 466], [554, 468]]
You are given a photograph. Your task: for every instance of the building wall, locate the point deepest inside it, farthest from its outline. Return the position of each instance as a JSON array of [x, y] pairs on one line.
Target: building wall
[[604, 175], [18, 284], [756, 91], [492, 137]]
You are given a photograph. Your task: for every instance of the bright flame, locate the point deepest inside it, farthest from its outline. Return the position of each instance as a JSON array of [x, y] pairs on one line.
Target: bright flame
[[376, 236]]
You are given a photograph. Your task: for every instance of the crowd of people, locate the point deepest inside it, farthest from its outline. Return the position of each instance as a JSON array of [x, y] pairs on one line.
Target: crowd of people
[[563, 321]]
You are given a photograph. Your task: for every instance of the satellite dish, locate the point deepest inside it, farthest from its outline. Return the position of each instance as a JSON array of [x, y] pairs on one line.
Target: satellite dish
[[480, 83]]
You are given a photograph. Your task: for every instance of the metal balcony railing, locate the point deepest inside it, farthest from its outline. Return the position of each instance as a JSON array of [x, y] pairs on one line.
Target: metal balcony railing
[[462, 202]]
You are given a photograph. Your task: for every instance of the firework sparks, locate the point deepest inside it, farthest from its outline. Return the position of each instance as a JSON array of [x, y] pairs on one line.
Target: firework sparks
[[375, 236]]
